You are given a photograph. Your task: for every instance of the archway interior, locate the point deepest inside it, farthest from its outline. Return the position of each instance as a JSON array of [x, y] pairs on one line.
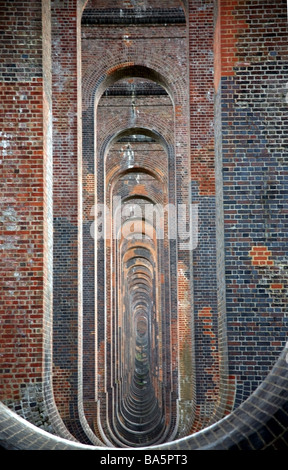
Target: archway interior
[[129, 168], [136, 172]]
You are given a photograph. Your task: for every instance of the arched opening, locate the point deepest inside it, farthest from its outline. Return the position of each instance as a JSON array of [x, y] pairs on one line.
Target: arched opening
[[137, 390], [134, 153]]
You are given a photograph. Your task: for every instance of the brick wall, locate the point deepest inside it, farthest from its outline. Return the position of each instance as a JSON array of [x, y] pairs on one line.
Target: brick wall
[[254, 75], [21, 208]]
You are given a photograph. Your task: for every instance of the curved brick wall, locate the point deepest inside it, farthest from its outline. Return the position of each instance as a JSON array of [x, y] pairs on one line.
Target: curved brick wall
[[260, 423]]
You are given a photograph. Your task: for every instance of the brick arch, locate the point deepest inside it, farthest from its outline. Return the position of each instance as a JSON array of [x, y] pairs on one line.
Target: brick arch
[[100, 76], [137, 169], [133, 70], [97, 78], [140, 289], [165, 140], [161, 173], [166, 145], [116, 174]]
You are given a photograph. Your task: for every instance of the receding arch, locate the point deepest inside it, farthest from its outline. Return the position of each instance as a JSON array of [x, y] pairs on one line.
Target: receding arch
[[109, 168], [155, 134], [127, 70]]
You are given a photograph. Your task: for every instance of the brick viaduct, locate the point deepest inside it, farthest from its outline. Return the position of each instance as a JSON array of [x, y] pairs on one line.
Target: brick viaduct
[[143, 224]]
